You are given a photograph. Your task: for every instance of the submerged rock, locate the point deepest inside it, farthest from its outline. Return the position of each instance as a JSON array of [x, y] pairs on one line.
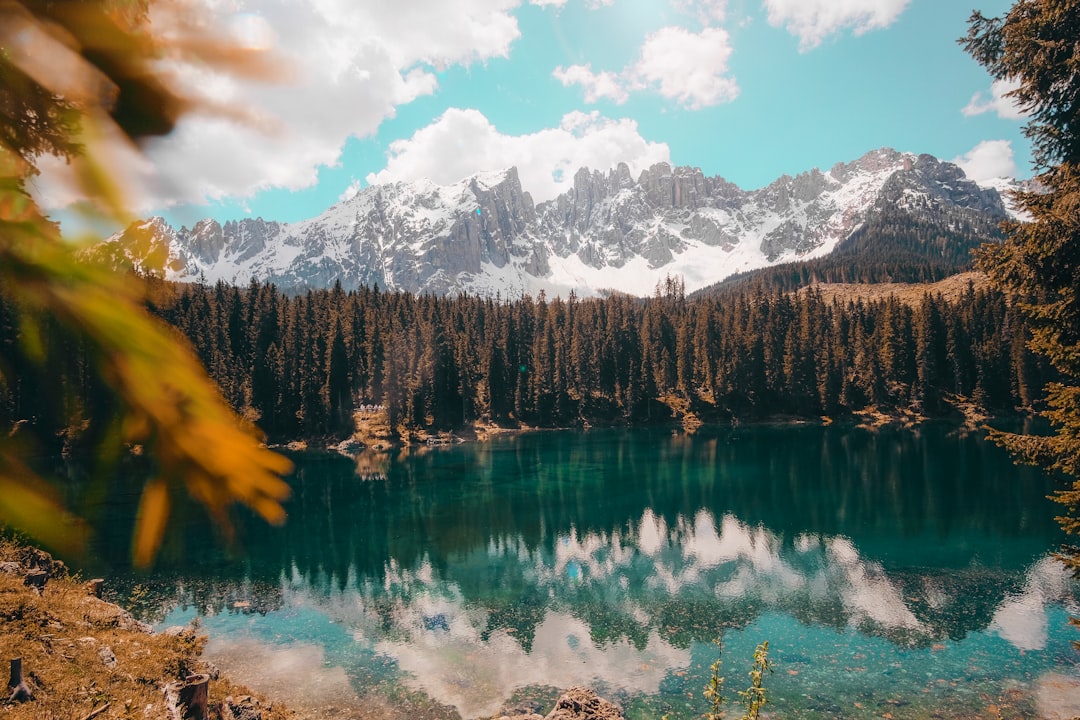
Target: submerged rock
[[244, 707], [583, 704]]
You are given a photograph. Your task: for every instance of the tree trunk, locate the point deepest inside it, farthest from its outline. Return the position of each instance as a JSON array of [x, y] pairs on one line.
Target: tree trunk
[[187, 699], [93, 587], [20, 692]]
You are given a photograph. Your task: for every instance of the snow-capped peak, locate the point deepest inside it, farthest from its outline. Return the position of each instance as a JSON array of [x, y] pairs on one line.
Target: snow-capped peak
[[609, 231]]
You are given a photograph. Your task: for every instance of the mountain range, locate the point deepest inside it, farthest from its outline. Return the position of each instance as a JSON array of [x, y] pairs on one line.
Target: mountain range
[[609, 232]]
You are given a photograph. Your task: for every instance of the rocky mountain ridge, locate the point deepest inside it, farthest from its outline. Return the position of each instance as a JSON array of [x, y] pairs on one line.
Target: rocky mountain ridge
[[609, 232]]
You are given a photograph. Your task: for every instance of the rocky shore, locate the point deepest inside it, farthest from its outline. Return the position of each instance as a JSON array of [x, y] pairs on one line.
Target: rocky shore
[[74, 655]]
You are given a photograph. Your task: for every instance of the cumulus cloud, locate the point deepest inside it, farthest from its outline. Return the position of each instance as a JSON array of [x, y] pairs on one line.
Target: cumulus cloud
[[559, 3], [988, 160], [1005, 107], [599, 85], [351, 65], [690, 68], [349, 192], [814, 20], [429, 31], [463, 142], [707, 11]]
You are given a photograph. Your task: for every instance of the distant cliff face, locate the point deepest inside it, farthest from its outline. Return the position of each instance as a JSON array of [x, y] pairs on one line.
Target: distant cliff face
[[609, 232]]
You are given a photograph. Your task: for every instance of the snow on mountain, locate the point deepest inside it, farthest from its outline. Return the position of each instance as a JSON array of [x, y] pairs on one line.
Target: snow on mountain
[[1004, 187], [609, 232]]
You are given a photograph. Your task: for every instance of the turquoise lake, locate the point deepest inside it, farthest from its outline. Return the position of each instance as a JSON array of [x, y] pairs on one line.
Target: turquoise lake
[[898, 573]]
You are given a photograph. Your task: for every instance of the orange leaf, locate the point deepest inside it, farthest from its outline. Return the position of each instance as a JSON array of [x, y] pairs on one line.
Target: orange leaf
[[150, 523]]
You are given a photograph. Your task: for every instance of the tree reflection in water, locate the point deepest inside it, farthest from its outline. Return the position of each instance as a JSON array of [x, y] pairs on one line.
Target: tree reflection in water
[[872, 560]]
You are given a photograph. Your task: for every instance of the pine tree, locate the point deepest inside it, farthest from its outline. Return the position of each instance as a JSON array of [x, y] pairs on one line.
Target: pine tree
[[338, 386], [930, 355], [1037, 45]]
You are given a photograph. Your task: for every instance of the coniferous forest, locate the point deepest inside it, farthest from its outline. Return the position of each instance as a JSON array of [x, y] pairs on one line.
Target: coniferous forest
[[299, 365]]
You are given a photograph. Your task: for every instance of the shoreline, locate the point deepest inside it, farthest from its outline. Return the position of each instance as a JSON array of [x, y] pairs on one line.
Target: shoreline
[[85, 657], [964, 413]]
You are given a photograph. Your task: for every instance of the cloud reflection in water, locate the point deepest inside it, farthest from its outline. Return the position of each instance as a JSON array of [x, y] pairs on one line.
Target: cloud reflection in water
[[621, 608]]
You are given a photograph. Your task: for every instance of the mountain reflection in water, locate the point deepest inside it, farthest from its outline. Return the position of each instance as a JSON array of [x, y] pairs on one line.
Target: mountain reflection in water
[[876, 563]]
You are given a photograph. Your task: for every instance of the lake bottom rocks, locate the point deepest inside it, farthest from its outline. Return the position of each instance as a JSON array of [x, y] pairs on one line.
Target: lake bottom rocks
[[577, 704]]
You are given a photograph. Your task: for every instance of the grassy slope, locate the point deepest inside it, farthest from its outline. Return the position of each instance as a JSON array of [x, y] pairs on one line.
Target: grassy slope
[[951, 289]]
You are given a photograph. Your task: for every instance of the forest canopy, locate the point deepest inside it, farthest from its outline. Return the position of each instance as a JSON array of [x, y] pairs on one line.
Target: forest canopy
[[300, 365]]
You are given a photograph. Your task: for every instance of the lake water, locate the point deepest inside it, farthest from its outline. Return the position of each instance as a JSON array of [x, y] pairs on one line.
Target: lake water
[[895, 573]]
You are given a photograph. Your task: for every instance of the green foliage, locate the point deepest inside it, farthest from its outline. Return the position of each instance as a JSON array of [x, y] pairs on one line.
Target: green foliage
[[1036, 45], [714, 691], [754, 697]]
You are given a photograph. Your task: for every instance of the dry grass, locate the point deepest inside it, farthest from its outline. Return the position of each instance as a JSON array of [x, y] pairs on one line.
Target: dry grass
[[80, 653], [951, 289], [373, 431], [680, 410]]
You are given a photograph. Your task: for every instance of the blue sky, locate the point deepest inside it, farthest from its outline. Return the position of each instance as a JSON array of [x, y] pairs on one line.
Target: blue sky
[[384, 90]]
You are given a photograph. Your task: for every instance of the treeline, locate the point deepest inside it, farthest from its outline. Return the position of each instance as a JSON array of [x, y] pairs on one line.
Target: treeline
[[299, 365]]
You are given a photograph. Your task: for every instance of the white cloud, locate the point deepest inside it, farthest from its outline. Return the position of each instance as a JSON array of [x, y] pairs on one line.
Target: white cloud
[[430, 31], [988, 160], [351, 65], [603, 84], [559, 3], [814, 20], [1005, 107], [688, 67], [477, 672], [348, 193], [706, 11], [461, 143]]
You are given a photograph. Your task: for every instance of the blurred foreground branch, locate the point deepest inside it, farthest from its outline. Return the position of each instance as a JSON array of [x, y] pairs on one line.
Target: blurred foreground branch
[[72, 73]]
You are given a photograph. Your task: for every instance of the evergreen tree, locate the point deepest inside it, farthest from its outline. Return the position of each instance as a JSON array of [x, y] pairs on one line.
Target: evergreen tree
[[930, 355], [338, 386], [1037, 45]]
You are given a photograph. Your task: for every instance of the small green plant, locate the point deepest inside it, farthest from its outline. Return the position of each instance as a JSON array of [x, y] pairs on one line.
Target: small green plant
[[753, 697], [714, 691]]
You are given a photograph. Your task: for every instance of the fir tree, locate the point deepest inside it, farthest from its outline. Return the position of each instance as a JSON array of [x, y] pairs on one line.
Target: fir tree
[[1037, 45]]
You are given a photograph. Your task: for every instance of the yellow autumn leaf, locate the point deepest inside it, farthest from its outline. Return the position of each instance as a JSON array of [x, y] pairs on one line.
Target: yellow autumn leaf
[[150, 522]]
